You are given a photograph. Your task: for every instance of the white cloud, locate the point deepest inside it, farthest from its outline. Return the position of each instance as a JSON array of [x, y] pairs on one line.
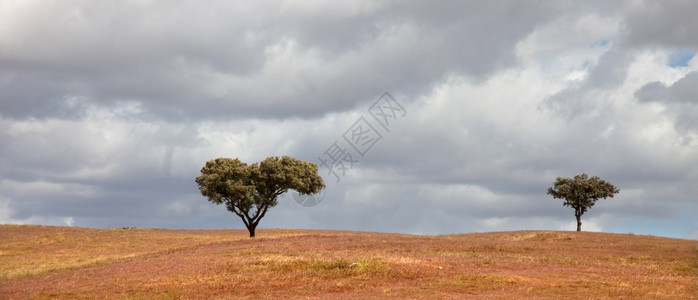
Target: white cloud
[[591, 225], [5, 211], [7, 216], [46, 189], [580, 35], [693, 235]]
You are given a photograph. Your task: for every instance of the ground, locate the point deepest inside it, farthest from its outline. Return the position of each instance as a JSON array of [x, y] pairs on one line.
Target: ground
[[137, 263]]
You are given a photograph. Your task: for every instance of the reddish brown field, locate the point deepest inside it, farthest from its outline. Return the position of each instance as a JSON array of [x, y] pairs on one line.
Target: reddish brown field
[[66, 262]]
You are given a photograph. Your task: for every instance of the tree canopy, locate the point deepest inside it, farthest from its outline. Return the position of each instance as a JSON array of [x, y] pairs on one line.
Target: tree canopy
[[250, 190], [581, 192]]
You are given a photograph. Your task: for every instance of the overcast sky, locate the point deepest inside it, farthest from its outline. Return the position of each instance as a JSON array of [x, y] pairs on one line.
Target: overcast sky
[[109, 109]]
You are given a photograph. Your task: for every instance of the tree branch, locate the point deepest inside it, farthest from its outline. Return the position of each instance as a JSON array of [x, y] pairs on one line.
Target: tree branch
[[261, 216]]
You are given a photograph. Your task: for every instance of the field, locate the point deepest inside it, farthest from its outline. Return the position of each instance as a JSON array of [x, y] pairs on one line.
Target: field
[[135, 263]]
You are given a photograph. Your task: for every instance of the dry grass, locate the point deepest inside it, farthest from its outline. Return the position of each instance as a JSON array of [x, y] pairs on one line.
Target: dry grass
[[62, 262]]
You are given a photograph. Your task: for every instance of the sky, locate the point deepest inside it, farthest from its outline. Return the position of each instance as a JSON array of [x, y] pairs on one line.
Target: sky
[[423, 117]]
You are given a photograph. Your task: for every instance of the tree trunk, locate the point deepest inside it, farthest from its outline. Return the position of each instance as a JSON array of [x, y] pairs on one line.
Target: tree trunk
[[251, 229], [579, 222]]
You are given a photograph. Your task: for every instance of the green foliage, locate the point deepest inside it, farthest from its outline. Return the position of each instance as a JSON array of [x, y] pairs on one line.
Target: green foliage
[[581, 193], [250, 190]]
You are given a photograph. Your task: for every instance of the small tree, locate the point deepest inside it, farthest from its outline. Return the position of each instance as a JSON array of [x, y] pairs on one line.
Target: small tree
[[250, 190], [581, 192]]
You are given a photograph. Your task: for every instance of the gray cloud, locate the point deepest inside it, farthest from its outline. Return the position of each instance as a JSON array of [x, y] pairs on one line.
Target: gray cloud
[[662, 24], [682, 91], [680, 99], [198, 61], [653, 91], [583, 97]]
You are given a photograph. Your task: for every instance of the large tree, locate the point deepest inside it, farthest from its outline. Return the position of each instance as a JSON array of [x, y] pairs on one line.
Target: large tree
[[581, 192], [250, 190]]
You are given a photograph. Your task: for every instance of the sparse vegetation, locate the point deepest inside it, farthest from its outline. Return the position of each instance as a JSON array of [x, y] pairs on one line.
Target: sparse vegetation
[[65, 262]]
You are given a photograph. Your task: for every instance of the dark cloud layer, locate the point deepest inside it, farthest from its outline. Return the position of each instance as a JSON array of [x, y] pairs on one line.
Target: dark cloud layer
[[200, 61]]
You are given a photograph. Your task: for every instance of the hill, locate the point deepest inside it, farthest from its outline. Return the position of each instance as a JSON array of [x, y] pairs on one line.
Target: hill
[[128, 263]]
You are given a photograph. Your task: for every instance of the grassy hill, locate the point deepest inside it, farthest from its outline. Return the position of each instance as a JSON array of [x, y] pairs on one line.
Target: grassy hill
[[134, 263]]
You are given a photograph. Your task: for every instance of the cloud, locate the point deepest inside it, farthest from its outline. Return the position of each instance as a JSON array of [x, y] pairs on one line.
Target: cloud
[[5, 212], [259, 59], [682, 91], [7, 216], [662, 24], [679, 99], [693, 235], [108, 111]]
